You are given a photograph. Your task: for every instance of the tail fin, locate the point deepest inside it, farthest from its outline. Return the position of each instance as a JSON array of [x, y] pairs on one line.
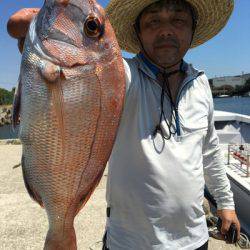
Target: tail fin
[[61, 241]]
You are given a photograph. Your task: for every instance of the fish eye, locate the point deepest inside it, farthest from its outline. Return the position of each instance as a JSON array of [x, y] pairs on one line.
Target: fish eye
[[93, 27]]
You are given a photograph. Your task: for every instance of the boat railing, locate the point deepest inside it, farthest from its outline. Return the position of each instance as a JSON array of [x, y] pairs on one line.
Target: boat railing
[[240, 152]]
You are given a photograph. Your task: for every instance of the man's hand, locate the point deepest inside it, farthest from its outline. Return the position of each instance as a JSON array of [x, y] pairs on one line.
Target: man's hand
[[228, 217], [19, 23]]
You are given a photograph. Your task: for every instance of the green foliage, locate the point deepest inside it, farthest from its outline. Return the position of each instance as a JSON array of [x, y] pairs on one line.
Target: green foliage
[[238, 90], [247, 82], [6, 97], [242, 90]]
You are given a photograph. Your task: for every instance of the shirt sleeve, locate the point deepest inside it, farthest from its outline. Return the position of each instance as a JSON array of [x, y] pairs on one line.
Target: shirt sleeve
[[214, 168], [127, 74]]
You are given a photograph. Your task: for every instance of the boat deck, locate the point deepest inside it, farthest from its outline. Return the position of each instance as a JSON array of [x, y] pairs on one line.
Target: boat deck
[[240, 182], [236, 168], [239, 171]]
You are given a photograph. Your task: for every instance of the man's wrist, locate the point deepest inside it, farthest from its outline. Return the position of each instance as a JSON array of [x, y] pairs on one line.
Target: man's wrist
[[228, 204]]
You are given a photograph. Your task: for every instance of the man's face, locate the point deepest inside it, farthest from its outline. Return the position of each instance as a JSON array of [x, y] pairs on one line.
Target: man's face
[[166, 33]]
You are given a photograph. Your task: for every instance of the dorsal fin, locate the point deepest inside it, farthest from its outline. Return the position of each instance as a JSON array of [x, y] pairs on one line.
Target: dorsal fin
[[16, 104]]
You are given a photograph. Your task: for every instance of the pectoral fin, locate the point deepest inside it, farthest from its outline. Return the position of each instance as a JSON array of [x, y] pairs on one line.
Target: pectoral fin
[[50, 72]]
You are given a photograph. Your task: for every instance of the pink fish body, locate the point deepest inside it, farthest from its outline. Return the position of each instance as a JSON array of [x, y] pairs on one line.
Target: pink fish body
[[70, 97]]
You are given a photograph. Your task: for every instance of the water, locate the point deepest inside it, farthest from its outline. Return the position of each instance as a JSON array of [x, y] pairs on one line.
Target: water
[[239, 105], [6, 132]]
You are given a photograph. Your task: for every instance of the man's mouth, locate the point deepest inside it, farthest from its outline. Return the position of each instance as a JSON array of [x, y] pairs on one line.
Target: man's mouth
[[166, 46]]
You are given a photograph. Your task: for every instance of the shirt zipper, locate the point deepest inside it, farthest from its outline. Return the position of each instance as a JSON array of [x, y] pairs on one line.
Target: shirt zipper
[[177, 119]]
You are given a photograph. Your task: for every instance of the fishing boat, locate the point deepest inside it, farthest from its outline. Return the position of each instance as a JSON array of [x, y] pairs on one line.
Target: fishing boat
[[234, 135], [223, 96]]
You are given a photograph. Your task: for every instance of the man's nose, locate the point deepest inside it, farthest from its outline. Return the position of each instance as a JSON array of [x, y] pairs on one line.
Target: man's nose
[[166, 29]]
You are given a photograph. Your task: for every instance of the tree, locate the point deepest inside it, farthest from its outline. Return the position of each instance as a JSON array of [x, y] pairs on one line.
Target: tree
[[6, 97], [211, 83], [247, 83]]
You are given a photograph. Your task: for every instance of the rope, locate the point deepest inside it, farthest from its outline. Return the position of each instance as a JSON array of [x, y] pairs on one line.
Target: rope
[[95, 245], [243, 242]]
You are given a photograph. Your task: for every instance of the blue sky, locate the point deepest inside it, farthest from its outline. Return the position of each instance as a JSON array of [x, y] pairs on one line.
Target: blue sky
[[226, 54]]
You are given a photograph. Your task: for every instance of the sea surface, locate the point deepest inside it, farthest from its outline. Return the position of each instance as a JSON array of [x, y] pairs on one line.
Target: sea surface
[[239, 105], [6, 132]]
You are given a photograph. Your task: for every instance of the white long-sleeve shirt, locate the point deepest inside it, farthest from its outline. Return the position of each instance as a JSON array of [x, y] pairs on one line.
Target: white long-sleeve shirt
[[156, 187]]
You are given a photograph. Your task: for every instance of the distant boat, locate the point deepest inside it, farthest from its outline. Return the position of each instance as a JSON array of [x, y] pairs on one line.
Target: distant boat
[[221, 96]]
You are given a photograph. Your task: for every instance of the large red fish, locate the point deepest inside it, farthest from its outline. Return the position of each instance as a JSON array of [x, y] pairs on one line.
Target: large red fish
[[70, 97]]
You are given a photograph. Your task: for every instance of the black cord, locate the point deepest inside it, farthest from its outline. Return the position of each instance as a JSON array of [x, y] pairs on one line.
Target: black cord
[[172, 128]]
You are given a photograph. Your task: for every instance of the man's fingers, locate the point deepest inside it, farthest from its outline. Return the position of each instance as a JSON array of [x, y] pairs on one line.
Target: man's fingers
[[238, 229], [19, 22], [225, 226], [228, 218]]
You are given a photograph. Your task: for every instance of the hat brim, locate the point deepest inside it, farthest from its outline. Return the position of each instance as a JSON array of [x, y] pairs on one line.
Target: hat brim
[[212, 17]]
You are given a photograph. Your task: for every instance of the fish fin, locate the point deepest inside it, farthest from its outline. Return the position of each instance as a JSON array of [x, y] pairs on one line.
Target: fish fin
[[58, 240], [85, 197], [53, 76], [58, 101], [49, 71], [31, 192], [16, 104], [17, 166]]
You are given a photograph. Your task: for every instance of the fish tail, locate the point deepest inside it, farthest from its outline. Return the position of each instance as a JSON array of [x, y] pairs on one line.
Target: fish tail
[[61, 241]]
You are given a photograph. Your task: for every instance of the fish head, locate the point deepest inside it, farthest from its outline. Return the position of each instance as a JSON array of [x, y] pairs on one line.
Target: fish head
[[75, 32]]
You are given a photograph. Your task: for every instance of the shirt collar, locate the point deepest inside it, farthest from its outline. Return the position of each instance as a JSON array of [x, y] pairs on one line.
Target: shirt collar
[[152, 70]]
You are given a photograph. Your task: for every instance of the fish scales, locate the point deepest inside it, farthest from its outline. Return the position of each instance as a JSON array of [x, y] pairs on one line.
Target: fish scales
[[70, 106]]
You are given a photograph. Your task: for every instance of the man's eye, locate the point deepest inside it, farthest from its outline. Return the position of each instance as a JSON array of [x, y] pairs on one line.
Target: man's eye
[[154, 21], [179, 21]]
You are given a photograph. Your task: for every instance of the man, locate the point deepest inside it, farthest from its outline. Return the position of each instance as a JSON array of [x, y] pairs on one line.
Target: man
[[166, 141]]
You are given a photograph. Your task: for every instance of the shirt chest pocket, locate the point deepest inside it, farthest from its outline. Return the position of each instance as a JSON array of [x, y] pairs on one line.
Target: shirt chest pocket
[[193, 115]]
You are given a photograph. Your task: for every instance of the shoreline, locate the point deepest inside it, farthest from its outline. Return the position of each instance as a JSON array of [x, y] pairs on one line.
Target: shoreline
[[5, 115]]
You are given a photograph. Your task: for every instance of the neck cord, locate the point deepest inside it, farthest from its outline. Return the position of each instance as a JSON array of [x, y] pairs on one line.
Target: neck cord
[[172, 129]]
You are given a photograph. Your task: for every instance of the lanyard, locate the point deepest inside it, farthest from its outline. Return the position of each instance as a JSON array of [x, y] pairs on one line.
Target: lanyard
[[173, 124]]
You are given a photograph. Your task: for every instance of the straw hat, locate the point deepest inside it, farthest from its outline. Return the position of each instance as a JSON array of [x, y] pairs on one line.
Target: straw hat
[[212, 17]]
